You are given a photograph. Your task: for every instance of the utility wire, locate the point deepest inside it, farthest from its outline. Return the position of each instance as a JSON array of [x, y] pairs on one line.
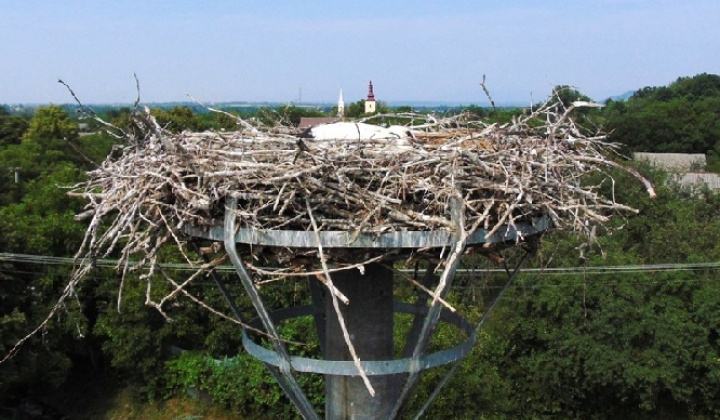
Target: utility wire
[[643, 268]]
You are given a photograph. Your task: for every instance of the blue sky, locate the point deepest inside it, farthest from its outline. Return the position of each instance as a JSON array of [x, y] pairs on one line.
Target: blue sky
[[219, 50]]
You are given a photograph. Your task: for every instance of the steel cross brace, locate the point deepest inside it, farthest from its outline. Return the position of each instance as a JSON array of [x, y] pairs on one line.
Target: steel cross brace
[[511, 277], [433, 314], [283, 373]]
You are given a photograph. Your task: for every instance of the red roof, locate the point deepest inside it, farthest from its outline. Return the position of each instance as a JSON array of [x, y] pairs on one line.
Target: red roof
[[371, 95], [306, 122]]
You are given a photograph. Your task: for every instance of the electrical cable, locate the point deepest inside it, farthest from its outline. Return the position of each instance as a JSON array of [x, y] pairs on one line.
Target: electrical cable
[[641, 268]]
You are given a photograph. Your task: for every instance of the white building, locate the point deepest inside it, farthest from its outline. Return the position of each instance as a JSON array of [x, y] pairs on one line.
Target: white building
[[370, 100]]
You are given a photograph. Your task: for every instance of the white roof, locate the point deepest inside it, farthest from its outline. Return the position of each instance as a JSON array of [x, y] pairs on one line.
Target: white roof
[[696, 179], [682, 162]]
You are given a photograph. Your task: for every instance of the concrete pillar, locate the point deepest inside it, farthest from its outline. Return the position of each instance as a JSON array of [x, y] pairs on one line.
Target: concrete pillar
[[369, 319]]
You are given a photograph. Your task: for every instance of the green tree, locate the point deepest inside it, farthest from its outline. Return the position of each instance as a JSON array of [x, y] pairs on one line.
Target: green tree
[[40, 223], [640, 345], [683, 117], [567, 95], [179, 118], [703, 85], [222, 121], [292, 114], [355, 109], [11, 128], [51, 139]]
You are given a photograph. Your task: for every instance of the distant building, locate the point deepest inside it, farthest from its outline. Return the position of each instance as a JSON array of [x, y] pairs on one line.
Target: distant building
[[684, 168], [341, 106], [370, 105], [698, 179], [674, 162], [307, 122]]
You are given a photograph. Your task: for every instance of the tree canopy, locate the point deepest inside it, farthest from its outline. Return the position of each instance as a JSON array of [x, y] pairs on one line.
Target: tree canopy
[[683, 117]]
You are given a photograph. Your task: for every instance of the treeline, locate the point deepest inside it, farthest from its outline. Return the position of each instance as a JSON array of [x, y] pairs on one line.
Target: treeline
[[683, 117], [592, 344]]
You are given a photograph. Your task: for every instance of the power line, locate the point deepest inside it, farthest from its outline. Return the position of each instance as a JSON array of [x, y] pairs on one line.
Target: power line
[[642, 268]]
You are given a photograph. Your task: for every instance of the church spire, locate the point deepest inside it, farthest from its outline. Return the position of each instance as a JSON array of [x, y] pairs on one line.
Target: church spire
[[371, 95], [370, 101], [341, 106]]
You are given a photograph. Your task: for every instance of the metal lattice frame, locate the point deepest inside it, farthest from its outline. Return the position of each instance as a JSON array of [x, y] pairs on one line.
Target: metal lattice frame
[[282, 365]]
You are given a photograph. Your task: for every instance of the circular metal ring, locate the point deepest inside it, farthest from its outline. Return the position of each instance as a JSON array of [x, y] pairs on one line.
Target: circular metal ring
[[371, 367]]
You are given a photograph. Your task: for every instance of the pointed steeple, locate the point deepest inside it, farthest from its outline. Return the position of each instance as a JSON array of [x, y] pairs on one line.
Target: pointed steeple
[[370, 101], [341, 106], [371, 95]]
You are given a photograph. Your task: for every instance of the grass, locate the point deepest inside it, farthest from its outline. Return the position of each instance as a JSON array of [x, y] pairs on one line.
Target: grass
[[101, 397], [126, 407]]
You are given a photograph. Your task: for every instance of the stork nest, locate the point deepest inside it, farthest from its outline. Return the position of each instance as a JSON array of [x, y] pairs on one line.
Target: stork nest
[[496, 176], [501, 174], [492, 177]]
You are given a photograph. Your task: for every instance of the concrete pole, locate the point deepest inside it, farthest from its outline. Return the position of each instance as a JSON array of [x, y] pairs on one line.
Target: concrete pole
[[369, 319]]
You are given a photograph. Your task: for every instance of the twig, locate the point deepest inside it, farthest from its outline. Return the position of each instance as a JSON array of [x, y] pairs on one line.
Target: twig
[[336, 306]]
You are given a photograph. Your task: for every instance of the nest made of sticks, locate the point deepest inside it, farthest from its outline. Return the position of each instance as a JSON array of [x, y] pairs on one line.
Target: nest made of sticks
[[144, 194], [501, 174]]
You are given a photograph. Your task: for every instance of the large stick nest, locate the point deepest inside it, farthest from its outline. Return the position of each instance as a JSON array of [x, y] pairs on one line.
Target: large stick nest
[[144, 194], [502, 175]]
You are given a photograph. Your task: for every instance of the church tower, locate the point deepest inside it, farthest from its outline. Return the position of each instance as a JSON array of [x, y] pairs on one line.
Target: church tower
[[341, 106], [370, 100]]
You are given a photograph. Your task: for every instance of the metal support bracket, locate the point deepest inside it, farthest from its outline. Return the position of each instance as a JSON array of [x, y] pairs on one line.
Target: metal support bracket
[[415, 358], [282, 372], [511, 277]]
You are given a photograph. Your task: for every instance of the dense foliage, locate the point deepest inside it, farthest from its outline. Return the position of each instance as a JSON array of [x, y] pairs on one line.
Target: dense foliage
[[629, 344], [590, 344], [683, 117]]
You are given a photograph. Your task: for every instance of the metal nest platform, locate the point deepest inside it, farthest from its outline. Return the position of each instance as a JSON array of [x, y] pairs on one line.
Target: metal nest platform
[[364, 381], [342, 206]]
